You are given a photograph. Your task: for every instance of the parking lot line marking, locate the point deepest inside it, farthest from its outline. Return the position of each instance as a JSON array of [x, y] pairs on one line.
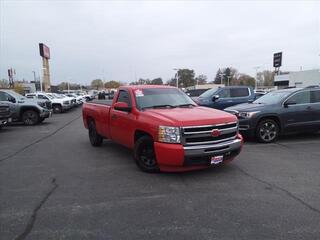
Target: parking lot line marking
[[38, 140]]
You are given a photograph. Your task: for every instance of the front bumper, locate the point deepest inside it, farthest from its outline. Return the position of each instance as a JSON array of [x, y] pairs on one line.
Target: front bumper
[[46, 113], [176, 157], [4, 121]]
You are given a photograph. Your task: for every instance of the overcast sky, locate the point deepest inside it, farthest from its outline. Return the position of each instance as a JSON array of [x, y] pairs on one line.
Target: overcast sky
[[146, 39]]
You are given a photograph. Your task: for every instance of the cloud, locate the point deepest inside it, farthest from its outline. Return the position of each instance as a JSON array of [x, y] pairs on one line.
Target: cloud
[[124, 40]]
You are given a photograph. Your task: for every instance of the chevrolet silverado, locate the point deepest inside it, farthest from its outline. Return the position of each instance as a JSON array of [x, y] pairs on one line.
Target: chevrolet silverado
[[165, 128]]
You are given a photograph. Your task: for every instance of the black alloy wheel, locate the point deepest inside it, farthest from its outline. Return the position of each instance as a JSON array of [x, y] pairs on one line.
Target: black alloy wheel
[[267, 131], [144, 155]]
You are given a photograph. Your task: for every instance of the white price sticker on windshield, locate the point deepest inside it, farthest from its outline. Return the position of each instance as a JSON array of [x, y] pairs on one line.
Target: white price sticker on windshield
[[138, 93]]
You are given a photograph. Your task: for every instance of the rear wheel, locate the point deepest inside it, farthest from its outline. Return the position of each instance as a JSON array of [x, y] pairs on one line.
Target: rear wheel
[[267, 131], [145, 156], [30, 117], [94, 137]]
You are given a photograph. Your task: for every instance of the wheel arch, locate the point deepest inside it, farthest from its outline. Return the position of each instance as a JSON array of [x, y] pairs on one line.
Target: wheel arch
[[273, 117], [27, 108], [140, 133]]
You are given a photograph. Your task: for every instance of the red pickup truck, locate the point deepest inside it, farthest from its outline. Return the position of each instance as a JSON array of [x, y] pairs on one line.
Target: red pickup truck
[[165, 128]]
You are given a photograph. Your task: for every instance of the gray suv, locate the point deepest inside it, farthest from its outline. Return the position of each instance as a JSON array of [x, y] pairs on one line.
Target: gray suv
[[279, 112], [28, 111]]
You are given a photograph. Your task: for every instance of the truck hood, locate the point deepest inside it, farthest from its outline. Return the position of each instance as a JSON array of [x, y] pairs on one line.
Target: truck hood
[[190, 116]]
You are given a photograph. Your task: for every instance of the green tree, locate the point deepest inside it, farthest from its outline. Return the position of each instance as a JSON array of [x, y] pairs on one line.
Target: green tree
[[201, 79], [186, 78], [245, 80], [217, 78], [4, 83], [112, 84], [156, 81], [97, 84]]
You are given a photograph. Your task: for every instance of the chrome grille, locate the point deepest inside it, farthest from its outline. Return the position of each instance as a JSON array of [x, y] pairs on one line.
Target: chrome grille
[[4, 110], [196, 135]]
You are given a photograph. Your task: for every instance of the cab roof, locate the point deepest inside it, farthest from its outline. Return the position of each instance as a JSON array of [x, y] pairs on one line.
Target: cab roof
[[134, 87]]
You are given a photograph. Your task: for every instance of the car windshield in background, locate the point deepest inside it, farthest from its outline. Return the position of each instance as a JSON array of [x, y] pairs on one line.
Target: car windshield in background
[[161, 97], [272, 97], [209, 93]]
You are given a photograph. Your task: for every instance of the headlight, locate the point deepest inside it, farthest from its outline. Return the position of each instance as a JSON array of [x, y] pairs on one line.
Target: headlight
[[247, 114], [169, 134], [65, 102]]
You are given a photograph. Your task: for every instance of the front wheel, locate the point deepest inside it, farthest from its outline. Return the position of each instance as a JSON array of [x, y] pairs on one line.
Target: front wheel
[[30, 117], [267, 131], [57, 108], [144, 155], [94, 137]]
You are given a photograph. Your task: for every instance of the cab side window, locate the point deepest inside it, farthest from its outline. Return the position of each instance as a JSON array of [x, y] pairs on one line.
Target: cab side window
[[224, 93], [42, 97], [301, 97], [239, 92], [315, 96], [124, 97]]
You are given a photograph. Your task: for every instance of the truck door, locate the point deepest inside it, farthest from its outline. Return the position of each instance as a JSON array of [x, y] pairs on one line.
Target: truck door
[[6, 97], [121, 122]]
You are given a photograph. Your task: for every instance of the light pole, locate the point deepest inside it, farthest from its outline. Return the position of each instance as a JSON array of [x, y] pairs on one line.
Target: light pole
[[256, 82], [34, 76], [221, 77], [177, 69], [229, 80]]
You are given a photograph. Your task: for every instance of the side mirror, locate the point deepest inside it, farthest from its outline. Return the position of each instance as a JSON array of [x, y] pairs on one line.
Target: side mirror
[[288, 103], [11, 99], [215, 98], [122, 106]]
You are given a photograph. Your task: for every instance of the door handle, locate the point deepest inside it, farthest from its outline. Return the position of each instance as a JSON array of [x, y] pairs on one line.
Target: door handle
[[309, 108], [113, 116]]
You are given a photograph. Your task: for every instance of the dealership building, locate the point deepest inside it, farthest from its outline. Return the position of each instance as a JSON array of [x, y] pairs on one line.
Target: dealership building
[[298, 79]]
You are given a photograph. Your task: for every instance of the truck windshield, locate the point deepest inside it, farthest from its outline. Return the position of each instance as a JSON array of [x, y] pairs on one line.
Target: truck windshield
[[209, 93], [272, 97], [161, 97]]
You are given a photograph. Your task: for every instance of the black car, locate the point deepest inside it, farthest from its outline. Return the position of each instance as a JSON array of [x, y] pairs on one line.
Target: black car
[[279, 112]]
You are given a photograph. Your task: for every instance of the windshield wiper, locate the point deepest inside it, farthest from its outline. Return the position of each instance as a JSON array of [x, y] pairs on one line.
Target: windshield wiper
[[185, 105]]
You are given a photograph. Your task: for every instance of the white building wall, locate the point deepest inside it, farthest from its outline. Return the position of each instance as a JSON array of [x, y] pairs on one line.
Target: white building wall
[[304, 78]]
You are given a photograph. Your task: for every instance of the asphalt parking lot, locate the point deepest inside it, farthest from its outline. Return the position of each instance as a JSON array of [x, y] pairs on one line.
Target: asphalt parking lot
[[54, 185]]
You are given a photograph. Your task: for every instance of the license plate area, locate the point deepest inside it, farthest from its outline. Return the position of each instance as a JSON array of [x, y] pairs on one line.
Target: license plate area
[[216, 160]]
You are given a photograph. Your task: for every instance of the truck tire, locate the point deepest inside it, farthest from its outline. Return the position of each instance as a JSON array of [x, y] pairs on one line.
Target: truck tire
[[144, 155], [30, 117], [94, 137], [57, 108], [267, 131]]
